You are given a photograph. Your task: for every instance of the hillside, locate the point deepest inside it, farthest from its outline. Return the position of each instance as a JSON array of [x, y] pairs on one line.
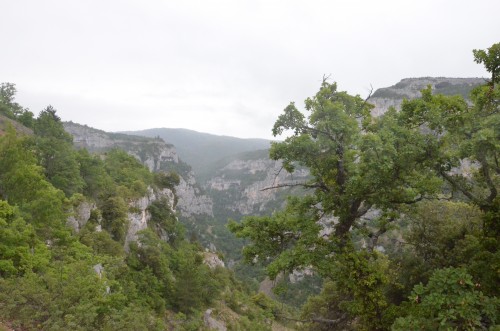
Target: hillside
[[93, 242], [5, 122], [155, 154]]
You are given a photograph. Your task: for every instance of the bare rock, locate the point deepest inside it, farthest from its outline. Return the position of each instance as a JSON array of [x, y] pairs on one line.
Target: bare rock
[[212, 323]]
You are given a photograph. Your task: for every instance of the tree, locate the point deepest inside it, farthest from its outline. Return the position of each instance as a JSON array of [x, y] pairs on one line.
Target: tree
[[55, 152], [164, 221], [12, 109], [365, 172], [98, 183], [114, 217], [450, 300], [357, 164], [464, 140], [127, 172], [491, 60], [23, 184], [354, 168], [16, 240]]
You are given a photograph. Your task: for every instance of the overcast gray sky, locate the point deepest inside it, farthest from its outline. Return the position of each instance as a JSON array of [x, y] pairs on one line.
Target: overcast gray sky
[[226, 67]]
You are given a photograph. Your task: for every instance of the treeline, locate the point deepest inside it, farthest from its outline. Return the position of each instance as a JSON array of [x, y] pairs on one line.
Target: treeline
[[55, 278], [402, 218]]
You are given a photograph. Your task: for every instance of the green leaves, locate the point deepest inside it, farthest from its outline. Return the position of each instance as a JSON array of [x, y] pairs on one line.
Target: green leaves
[[491, 60], [54, 149], [128, 172], [450, 300], [290, 119], [463, 146]]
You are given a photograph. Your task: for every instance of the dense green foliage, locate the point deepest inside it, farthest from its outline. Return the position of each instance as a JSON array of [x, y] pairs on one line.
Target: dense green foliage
[[92, 277], [374, 223], [11, 109]]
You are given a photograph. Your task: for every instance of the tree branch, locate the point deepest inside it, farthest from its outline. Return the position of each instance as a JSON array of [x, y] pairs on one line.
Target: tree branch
[[374, 236], [316, 319], [365, 207], [408, 202], [485, 169], [459, 187], [305, 185]]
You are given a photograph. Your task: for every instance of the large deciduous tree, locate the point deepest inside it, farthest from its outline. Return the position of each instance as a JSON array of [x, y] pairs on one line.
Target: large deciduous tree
[[358, 164], [363, 171]]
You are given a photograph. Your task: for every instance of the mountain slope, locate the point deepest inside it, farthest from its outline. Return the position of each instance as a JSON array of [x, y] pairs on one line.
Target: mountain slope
[[5, 122], [201, 150], [153, 153]]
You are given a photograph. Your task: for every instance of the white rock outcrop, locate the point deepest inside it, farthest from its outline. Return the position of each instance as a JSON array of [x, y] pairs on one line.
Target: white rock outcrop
[[211, 323], [80, 215], [138, 220]]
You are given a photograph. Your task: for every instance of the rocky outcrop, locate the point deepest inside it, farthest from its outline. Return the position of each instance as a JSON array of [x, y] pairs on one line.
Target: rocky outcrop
[[137, 217], [409, 88], [191, 200], [89, 138], [247, 184], [155, 154], [212, 260], [211, 323], [80, 215], [138, 220]]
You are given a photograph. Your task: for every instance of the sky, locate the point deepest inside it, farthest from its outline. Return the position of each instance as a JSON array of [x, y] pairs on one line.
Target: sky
[[226, 67]]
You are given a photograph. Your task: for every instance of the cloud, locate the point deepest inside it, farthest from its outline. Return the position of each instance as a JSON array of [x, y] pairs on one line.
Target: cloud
[[226, 67]]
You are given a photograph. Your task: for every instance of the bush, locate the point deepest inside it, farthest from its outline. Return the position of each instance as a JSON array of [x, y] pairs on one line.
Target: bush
[[450, 300]]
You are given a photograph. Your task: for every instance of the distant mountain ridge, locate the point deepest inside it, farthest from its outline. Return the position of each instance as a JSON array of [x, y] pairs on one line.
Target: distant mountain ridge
[[202, 150], [409, 88]]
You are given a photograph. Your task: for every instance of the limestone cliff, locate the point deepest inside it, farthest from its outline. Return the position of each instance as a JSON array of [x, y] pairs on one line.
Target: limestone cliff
[[154, 153], [138, 215], [80, 215], [191, 200], [245, 184], [138, 220], [409, 88]]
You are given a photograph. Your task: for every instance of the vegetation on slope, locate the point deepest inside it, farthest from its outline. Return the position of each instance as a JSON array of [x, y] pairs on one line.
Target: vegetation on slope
[[54, 278]]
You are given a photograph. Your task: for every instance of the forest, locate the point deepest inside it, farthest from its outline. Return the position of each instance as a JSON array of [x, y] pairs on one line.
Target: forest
[[399, 220]]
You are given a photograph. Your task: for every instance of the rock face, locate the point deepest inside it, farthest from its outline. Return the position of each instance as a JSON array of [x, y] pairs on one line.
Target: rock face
[[89, 138], [154, 153], [245, 185], [211, 323], [191, 200], [80, 215], [409, 88], [138, 220], [212, 260]]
